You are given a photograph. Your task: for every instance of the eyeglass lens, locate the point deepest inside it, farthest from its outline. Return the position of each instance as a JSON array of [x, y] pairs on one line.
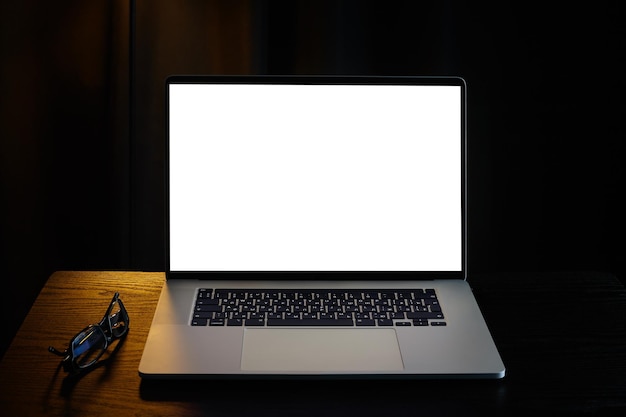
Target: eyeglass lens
[[88, 346]]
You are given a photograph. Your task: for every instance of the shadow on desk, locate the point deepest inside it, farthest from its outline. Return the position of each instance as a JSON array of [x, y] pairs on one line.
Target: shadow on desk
[[333, 398]]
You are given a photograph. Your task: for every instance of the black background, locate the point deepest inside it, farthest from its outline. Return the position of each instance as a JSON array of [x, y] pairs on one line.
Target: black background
[[81, 170]]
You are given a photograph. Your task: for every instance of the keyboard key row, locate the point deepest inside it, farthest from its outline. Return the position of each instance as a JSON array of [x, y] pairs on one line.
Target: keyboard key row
[[320, 316], [289, 294]]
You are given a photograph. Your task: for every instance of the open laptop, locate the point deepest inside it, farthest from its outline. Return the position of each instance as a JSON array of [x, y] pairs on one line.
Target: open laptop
[[315, 227]]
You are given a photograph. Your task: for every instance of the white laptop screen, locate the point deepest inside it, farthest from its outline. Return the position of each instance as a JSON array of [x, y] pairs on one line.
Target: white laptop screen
[[283, 177]]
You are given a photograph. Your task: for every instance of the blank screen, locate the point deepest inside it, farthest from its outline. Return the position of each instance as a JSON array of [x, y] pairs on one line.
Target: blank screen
[[315, 177]]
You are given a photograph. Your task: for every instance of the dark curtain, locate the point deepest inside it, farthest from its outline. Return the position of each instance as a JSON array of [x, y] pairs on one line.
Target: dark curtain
[[82, 188], [63, 164]]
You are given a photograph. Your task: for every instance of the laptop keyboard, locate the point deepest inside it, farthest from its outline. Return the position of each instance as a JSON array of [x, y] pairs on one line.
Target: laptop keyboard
[[283, 307]]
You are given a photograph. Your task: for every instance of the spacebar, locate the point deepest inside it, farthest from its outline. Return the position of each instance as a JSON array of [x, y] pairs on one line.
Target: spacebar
[[310, 322]]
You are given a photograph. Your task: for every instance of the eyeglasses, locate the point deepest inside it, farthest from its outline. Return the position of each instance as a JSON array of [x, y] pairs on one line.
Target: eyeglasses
[[88, 346]]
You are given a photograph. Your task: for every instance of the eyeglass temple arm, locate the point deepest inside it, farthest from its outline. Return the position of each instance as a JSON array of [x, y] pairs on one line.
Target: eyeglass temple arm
[[57, 352], [116, 298]]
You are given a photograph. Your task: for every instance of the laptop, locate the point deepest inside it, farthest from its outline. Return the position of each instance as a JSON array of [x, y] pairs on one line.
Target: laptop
[[316, 227]]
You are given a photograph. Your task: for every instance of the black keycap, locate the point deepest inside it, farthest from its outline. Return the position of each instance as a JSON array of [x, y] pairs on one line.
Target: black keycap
[[438, 323], [216, 322], [199, 322], [403, 323], [310, 322], [255, 322], [206, 301], [234, 322], [365, 322], [209, 307], [430, 294], [385, 322], [271, 294], [386, 294], [424, 315]]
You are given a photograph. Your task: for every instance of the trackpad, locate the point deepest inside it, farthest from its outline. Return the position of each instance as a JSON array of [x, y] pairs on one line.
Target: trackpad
[[320, 350]]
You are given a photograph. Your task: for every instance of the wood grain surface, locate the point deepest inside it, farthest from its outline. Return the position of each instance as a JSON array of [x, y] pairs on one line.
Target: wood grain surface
[[32, 383], [562, 337]]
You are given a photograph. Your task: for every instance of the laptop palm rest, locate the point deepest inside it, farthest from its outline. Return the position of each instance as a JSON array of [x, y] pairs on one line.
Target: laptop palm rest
[[320, 350]]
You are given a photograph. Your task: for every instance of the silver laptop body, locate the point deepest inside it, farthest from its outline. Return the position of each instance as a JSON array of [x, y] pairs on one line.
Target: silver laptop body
[[315, 227]]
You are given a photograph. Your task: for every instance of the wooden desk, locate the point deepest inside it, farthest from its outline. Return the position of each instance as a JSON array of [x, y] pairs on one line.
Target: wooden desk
[[561, 336]]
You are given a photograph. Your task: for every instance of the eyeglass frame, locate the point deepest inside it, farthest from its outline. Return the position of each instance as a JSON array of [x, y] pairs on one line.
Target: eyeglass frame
[[109, 336]]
